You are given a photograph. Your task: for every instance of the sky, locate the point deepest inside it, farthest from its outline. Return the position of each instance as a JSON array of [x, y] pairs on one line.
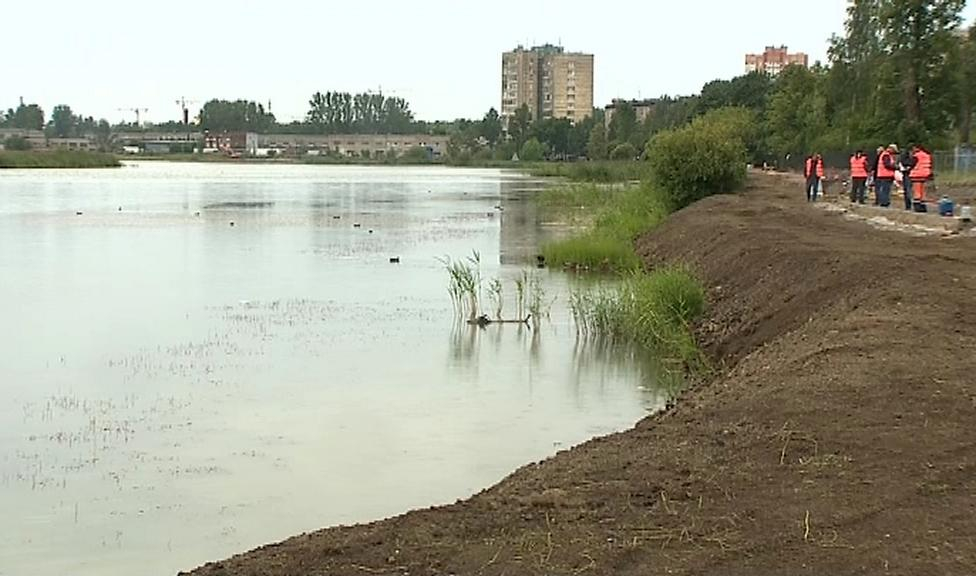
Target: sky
[[443, 56]]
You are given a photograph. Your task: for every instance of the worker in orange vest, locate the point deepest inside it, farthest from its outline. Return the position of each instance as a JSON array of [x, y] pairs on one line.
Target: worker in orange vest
[[886, 175], [813, 171], [859, 177], [921, 173]]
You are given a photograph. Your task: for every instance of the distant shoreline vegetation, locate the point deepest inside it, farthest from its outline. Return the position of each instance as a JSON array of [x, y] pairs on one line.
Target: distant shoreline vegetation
[[57, 159]]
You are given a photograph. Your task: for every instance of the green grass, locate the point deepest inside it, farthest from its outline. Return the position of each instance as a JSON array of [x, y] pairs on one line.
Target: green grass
[[653, 310], [593, 171], [56, 159], [614, 217], [956, 179]]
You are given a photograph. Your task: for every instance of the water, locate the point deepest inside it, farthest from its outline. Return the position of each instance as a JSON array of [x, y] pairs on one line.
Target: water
[[178, 389]]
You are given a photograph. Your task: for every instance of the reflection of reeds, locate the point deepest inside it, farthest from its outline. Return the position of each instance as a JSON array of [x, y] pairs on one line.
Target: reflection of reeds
[[497, 297]]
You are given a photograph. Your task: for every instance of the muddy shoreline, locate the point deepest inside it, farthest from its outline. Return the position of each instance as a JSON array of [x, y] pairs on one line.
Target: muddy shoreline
[[834, 438]]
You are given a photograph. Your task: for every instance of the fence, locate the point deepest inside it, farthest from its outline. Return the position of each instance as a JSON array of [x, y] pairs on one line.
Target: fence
[[960, 162]]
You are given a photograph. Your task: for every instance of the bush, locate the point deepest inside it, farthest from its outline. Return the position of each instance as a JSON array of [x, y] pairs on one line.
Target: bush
[[532, 151], [416, 155], [18, 143], [625, 151], [704, 158]]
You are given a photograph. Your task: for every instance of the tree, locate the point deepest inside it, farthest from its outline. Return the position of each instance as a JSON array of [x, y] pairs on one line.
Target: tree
[[623, 123], [748, 91], [236, 116], [16, 143], [917, 37], [596, 148], [25, 117], [796, 116], [965, 64], [518, 125], [554, 133], [105, 140], [491, 127], [63, 121], [532, 151], [625, 151]]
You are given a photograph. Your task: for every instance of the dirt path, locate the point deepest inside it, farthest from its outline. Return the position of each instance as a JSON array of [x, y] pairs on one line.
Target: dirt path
[[838, 435]]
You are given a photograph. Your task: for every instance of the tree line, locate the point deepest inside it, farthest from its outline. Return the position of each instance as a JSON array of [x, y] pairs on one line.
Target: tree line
[[903, 70]]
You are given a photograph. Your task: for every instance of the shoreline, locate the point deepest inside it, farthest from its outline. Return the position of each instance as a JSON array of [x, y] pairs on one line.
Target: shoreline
[[834, 420]]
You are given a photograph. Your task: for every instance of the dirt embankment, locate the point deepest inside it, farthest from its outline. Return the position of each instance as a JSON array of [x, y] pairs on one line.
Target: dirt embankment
[[837, 437]]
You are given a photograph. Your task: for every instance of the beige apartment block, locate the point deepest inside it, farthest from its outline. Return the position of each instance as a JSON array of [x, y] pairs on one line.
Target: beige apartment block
[[551, 82]]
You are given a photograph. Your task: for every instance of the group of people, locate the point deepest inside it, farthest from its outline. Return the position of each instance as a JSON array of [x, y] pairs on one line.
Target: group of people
[[912, 169]]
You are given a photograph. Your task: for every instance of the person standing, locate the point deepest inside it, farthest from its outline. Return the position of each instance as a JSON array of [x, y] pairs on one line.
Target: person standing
[[905, 166], [859, 177], [813, 171], [874, 171], [921, 173], [886, 175]]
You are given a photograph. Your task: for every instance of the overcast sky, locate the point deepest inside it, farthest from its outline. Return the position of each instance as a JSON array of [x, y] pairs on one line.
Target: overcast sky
[[443, 56]]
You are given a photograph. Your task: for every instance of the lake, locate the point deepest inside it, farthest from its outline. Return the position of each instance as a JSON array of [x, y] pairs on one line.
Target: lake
[[197, 359]]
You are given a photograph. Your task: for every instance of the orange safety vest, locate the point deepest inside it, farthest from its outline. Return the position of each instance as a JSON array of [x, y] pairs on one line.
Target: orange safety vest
[[923, 167], [810, 170], [884, 171], [859, 166]]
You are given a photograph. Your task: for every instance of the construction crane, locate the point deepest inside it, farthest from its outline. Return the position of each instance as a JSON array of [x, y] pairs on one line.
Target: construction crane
[[138, 111], [182, 103]]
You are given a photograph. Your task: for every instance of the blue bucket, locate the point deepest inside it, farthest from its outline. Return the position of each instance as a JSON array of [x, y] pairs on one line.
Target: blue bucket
[[945, 206]]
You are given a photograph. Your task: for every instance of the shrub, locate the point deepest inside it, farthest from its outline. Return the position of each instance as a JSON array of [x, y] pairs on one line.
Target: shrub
[[18, 143], [704, 158], [625, 151], [416, 155], [532, 151]]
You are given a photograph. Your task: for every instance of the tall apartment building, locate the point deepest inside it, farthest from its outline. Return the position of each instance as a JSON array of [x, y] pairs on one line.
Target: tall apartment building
[[774, 60], [551, 82]]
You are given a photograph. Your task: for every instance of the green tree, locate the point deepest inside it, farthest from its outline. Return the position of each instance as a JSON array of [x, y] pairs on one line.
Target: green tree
[[63, 121], [532, 151], [491, 127], [554, 133], [965, 64], [917, 36], [625, 151], [25, 117], [623, 123], [16, 143], [236, 116], [519, 124], [796, 117], [596, 147], [105, 139]]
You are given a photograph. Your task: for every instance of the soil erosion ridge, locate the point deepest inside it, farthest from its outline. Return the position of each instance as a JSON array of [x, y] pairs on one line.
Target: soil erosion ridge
[[835, 437]]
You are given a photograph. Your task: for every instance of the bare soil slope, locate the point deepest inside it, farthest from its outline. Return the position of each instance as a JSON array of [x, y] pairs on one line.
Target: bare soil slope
[[837, 436]]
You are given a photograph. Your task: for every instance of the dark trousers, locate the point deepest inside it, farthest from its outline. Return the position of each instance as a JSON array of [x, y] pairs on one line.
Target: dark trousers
[[907, 187], [883, 190], [812, 183], [858, 189]]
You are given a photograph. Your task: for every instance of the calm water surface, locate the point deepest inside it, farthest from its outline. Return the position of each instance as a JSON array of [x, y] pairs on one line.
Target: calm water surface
[[177, 389]]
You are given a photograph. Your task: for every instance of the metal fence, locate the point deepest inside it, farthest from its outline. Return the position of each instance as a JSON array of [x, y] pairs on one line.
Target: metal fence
[[961, 161], [958, 161]]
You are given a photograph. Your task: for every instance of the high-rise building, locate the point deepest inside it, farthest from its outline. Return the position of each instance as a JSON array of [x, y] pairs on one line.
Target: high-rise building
[[774, 60], [551, 82]]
